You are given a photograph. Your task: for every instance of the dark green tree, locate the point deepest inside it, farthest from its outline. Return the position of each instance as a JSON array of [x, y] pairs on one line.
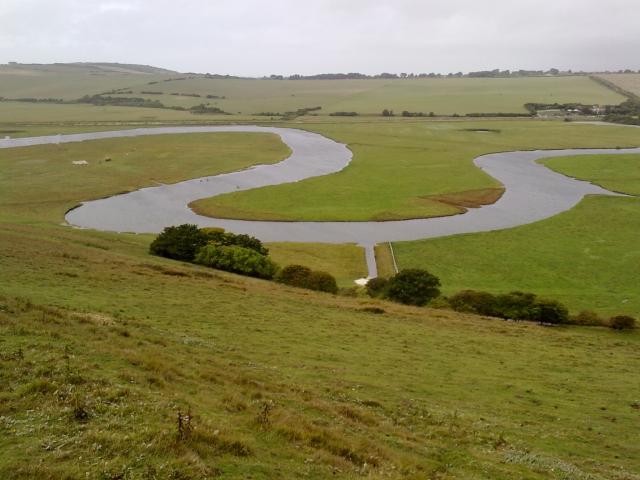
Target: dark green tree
[[622, 322], [236, 259], [180, 242], [413, 286]]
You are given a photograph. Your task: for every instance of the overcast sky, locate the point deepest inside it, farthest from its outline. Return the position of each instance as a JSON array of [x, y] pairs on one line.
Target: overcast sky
[[259, 37]]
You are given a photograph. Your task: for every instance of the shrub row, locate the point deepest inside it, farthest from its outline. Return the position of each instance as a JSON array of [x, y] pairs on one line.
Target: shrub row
[[237, 253], [236, 259], [419, 287], [514, 306], [527, 306], [215, 248]]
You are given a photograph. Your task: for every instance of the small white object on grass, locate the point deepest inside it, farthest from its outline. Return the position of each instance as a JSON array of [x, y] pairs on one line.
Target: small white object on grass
[[80, 162], [362, 281]]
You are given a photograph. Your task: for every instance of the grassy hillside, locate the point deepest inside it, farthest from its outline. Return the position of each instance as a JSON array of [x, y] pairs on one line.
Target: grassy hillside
[[441, 96], [47, 113], [472, 95], [71, 81], [408, 170], [345, 262], [246, 97], [102, 346], [587, 257]]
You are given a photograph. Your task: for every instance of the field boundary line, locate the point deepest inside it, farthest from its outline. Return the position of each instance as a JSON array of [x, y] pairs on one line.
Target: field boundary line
[[393, 257]]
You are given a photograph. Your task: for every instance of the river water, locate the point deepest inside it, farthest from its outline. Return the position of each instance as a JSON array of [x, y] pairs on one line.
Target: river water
[[532, 192]]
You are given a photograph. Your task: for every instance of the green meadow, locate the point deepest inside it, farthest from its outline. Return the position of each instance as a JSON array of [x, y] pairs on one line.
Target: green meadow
[[41, 183], [409, 169], [586, 257], [104, 347]]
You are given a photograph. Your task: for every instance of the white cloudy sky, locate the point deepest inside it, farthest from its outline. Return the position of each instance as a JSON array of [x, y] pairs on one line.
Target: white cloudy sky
[[257, 37]]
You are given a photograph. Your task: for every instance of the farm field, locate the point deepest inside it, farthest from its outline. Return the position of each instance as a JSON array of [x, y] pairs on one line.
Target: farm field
[[409, 170], [587, 257], [247, 97], [442, 96], [627, 81]]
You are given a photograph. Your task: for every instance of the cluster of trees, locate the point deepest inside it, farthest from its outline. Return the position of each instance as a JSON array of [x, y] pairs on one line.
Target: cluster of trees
[[627, 112], [301, 112], [102, 100], [178, 94], [496, 73], [514, 306], [411, 286], [118, 91], [406, 113], [419, 287], [32, 100], [533, 107], [202, 109], [236, 253], [215, 248], [343, 114]]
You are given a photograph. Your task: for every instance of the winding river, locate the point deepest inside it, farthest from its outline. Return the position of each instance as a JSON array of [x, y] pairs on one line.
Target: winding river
[[532, 192]]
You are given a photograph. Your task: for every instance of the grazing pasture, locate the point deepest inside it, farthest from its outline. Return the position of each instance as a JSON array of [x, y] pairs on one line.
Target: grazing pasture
[[409, 170], [588, 257], [118, 364], [102, 346]]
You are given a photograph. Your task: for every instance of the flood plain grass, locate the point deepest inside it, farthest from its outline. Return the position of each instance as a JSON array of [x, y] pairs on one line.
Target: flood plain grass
[[404, 170], [587, 257]]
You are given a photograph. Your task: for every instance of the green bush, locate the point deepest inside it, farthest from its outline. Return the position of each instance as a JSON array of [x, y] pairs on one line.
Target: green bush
[[413, 287], [220, 237], [376, 287], [588, 318], [472, 301], [514, 306], [322, 282], [180, 243], [303, 277], [622, 322], [549, 311], [294, 275], [236, 259]]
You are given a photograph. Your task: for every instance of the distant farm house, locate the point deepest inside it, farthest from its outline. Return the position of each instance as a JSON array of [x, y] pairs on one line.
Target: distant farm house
[[598, 110]]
